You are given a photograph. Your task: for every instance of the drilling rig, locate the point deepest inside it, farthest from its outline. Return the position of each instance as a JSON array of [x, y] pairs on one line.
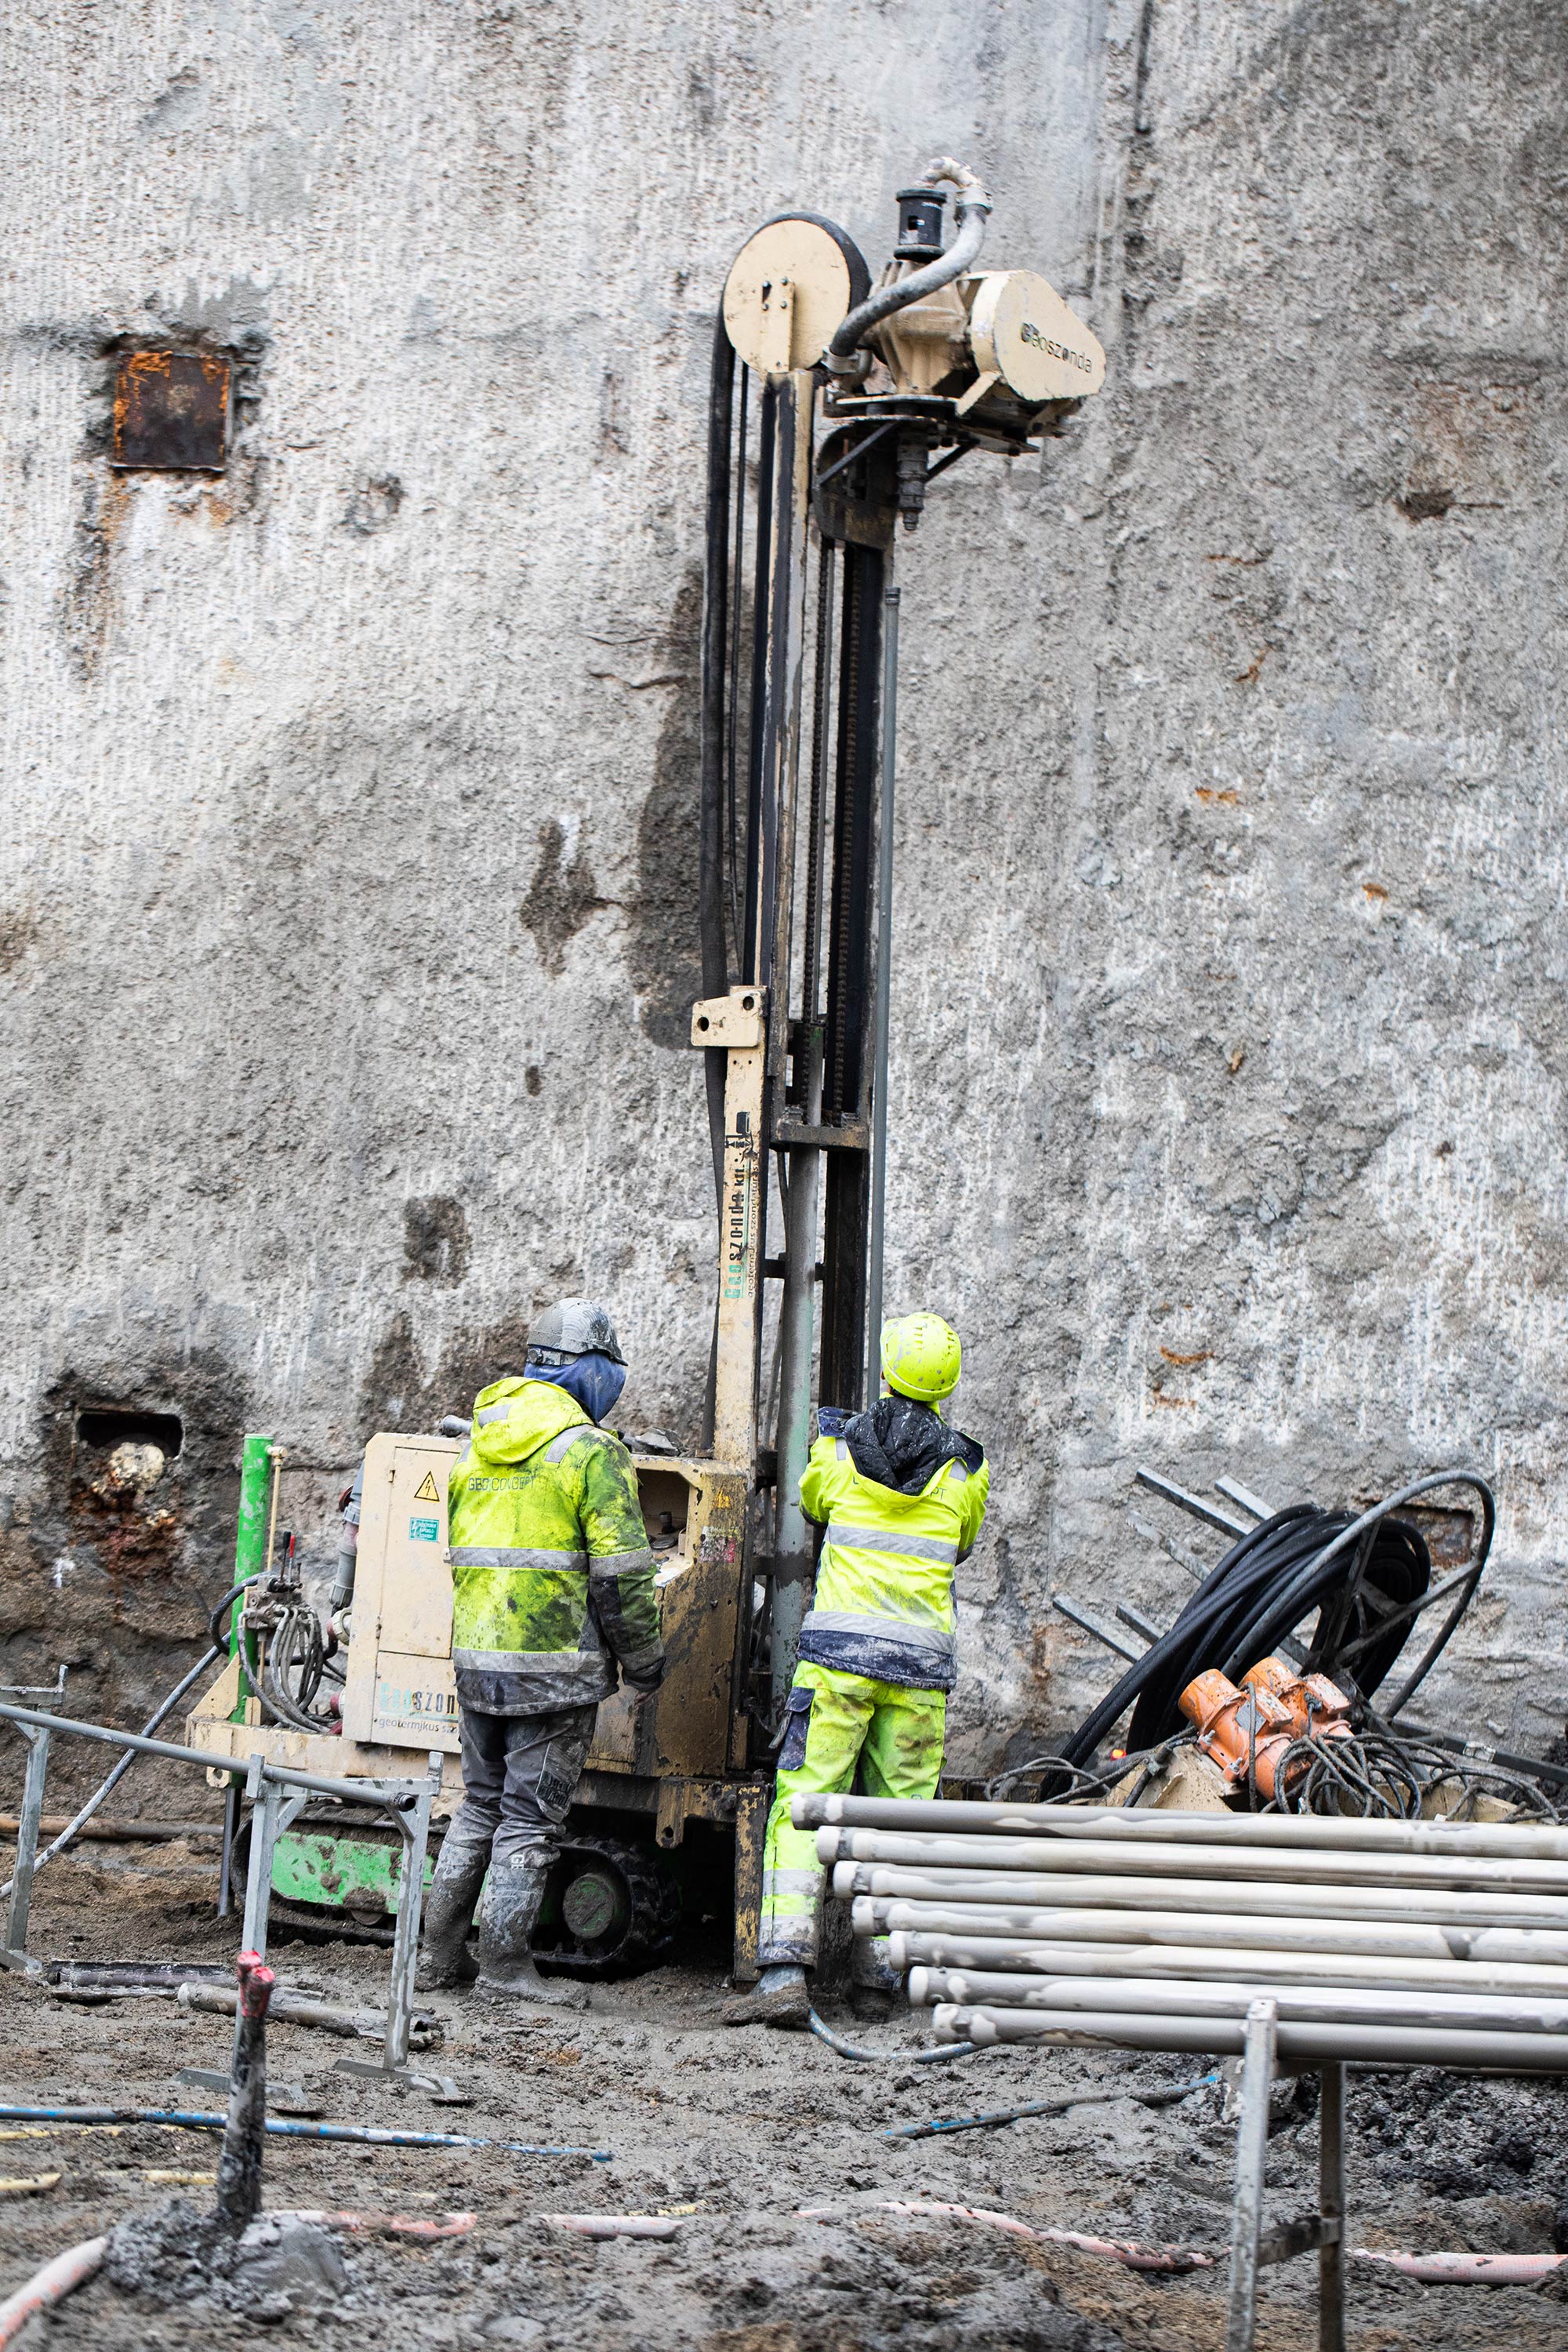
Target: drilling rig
[[832, 408]]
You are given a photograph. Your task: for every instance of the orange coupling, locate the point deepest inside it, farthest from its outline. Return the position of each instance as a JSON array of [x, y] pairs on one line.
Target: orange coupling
[[1317, 1707], [1242, 1732]]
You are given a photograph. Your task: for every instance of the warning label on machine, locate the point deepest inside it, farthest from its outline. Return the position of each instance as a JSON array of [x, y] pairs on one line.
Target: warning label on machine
[[426, 1492], [425, 1531]]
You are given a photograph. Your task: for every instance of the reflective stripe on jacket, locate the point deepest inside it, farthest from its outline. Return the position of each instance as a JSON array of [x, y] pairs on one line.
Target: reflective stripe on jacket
[[883, 1605], [551, 1575]]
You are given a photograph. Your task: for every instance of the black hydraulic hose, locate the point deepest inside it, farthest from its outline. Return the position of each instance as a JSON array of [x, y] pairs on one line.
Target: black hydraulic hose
[[716, 689], [971, 212], [220, 1633], [1267, 1582], [1312, 1582]]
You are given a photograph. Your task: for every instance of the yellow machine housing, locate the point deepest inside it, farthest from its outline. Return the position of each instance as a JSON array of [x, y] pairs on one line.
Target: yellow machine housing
[[681, 1756]]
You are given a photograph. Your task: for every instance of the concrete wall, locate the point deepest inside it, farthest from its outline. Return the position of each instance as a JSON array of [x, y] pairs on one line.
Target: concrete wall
[[347, 931]]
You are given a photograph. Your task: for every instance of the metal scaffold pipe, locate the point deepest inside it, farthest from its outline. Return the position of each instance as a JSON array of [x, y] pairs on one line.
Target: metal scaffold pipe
[[1180, 1862], [1402, 1973], [1261, 1934], [1275, 1830], [959, 1890], [1305, 2005], [1222, 2037]]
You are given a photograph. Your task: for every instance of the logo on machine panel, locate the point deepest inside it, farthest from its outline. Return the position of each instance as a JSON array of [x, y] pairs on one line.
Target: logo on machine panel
[[394, 1705], [1029, 334]]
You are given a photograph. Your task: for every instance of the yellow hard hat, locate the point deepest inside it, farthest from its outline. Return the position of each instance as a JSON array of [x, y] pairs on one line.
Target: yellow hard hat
[[920, 1357]]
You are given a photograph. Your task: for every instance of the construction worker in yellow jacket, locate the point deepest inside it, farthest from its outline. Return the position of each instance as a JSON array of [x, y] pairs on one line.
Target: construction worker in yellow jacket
[[553, 1602], [903, 1497]]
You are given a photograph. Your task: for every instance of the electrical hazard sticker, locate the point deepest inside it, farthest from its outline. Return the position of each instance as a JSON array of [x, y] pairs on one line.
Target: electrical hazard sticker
[[426, 1492], [425, 1531]]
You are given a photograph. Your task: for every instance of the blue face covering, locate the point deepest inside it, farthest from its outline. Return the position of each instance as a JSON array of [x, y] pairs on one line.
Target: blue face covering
[[594, 1381]]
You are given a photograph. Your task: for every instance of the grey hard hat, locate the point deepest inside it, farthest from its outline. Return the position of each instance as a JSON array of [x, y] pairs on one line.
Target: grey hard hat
[[572, 1326]]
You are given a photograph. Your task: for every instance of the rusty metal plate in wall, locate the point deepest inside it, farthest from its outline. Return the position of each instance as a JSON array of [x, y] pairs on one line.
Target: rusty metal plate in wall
[[171, 411]]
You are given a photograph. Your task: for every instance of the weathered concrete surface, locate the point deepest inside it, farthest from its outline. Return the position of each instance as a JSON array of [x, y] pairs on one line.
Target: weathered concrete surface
[[347, 927]]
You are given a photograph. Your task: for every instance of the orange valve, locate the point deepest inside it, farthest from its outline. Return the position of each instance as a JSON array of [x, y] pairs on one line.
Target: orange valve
[[1317, 1707], [1243, 1731]]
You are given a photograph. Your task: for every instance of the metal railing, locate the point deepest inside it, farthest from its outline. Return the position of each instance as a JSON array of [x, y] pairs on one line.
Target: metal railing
[[278, 1793]]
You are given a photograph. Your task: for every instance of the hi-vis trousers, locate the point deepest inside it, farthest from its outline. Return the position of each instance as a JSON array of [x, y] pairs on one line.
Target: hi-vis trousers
[[837, 1721]]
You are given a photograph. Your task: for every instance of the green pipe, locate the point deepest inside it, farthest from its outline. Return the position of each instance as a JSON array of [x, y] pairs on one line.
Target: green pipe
[[250, 1540]]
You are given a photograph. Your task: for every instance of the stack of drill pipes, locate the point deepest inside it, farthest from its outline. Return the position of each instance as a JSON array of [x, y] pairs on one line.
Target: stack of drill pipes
[[943, 1817], [1443, 1906], [1223, 1859], [1177, 2028], [1411, 2006], [1011, 1955], [873, 1914], [1402, 2006]]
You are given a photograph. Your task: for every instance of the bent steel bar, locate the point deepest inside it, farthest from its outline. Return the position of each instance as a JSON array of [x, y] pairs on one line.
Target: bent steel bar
[[385, 1795]]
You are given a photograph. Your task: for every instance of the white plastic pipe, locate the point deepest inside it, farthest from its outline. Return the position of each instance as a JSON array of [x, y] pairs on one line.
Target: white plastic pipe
[[960, 1889], [933, 1817], [1392, 2045], [1202, 1861], [875, 1914], [1303, 2004], [1239, 1962]]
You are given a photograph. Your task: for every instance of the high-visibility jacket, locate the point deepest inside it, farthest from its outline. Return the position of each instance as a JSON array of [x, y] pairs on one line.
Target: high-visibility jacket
[[551, 1575], [883, 1605]]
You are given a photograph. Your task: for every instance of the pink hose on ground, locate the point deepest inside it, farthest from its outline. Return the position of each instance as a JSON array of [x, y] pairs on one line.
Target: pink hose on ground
[[50, 2284], [614, 2225], [382, 2225], [1468, 2270], [1116, 2250]]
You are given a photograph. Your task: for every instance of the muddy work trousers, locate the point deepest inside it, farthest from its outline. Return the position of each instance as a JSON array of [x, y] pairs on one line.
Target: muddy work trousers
[[839, 1722], [519, 1775]]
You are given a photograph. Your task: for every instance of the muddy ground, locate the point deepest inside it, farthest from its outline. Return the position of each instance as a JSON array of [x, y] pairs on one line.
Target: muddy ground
[[734, 2131]]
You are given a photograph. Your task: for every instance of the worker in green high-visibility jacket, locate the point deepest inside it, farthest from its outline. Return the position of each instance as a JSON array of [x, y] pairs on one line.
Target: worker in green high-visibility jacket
[[553, 1601], [903, 1497]]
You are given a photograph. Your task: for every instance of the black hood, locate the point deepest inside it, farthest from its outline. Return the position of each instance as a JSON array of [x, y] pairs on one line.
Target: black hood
[[902, 1445]]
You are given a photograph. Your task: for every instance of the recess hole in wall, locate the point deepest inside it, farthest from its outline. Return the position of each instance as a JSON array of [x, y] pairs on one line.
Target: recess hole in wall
[[170, 413], [106, 1427]]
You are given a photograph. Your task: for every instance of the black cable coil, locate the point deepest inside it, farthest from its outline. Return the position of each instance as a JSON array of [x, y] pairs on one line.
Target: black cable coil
[[1367, 1575]]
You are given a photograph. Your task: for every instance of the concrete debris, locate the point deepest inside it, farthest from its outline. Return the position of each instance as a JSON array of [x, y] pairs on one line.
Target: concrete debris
[[278, 2266]]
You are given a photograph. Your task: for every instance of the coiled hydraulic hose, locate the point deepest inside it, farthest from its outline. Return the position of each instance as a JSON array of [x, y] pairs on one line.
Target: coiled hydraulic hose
[[1367, 1575]]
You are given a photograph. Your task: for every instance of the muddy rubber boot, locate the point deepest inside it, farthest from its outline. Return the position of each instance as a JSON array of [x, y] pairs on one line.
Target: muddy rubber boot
[[507, 1969], [445, 1960], [779, 1997]]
